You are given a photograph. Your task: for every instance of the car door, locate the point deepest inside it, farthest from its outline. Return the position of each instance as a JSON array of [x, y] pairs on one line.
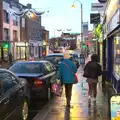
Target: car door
[[10, 99]]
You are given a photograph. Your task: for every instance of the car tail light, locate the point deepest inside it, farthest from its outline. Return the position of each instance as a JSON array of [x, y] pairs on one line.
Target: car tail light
[[37, 82]]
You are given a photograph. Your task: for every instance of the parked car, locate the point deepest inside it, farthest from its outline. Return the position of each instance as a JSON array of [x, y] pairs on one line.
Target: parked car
[[14, 96], [39, 74], [55, 58], [76, 58]]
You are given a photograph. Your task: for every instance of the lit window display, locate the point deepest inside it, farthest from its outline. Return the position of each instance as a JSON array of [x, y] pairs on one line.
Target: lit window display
[[18, 52], [22, 52], [5, 51], [117, 55]]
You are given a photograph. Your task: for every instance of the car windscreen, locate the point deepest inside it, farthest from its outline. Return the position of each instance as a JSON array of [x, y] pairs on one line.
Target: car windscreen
[[26, 67]]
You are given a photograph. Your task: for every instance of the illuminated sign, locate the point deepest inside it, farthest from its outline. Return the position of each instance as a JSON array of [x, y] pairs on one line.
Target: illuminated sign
[[115, 107]]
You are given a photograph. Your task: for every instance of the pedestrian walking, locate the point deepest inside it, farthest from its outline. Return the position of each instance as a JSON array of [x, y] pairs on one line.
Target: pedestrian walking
[[91, 71], [66, 71]]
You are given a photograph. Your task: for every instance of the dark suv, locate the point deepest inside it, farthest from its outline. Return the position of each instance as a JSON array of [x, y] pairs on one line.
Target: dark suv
[[14, 96]]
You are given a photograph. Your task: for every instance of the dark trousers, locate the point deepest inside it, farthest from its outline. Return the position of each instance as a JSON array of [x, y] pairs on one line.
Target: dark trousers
[[68, 91], [93, 89]]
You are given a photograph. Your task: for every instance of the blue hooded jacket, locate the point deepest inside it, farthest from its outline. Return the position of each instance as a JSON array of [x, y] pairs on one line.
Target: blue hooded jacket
[[67, 74]]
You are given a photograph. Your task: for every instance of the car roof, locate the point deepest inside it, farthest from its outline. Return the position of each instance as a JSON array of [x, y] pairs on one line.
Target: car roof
[[40, 61], [3, 70], [55, 54]]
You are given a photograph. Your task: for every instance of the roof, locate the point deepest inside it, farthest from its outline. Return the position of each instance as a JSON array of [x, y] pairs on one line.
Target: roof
[[41, 61], [55, 54]]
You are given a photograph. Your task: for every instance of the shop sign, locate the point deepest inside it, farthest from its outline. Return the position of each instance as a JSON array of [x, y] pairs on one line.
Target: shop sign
[[95, 18], [114, 22], [97, 7]]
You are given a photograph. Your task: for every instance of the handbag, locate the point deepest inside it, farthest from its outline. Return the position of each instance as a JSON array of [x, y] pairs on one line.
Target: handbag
[[57, 89], [75, 76]]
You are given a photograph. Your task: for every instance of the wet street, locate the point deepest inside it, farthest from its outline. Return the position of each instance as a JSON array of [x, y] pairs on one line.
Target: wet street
[[35, 107], [81, 108]]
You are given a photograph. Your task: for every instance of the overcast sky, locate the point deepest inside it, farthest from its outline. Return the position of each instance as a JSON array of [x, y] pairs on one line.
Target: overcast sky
[[59, 14]]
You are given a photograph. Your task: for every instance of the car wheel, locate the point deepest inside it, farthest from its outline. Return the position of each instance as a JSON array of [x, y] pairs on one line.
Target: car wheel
[[24, 110], [48, 94]]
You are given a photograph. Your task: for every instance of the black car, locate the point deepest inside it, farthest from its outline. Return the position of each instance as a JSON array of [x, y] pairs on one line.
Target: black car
[[54, 58], [39, 74], [76, 59], [14, 96]]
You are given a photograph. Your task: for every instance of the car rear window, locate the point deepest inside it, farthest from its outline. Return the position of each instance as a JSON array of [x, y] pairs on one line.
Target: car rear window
[[26, 67]]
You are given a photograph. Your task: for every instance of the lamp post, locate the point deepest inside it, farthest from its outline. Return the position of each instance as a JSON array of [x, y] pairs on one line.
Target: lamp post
[[81, 7]]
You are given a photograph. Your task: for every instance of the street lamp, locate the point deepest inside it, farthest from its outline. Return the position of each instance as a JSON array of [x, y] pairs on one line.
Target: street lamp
[[73, 6]]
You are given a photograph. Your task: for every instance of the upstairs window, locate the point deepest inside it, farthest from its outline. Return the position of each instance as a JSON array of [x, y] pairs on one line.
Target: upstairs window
[[6, 16]]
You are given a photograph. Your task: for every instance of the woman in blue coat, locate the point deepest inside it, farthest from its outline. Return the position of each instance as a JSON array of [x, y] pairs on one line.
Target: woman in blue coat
[[66, 72]]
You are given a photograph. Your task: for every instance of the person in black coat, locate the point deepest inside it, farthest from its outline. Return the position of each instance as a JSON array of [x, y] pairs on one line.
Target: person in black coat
[[91, 71]]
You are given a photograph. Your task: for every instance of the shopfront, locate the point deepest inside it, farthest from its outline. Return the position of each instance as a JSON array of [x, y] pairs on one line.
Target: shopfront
[[116, 63], [113, 43], [21, 51]]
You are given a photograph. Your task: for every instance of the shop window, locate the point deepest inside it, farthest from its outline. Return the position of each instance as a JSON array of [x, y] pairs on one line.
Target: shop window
[[117, 55], [22, 52], [18, 52]]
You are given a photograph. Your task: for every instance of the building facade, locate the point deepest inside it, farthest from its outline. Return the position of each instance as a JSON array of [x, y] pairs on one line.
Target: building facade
[[34, 34], [111, 42]]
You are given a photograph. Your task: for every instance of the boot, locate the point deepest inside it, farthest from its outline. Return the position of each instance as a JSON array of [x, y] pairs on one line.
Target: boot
[[68, 102]]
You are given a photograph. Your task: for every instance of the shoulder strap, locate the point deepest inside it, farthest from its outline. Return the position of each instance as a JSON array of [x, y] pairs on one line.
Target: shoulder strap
[[68, 67]]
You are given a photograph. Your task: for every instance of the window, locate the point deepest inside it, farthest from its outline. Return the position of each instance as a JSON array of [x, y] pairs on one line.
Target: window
[[15, 20], [117, 55], [48, 68], [26, 68], [6, 34], [18, 52], [23, 22], [6, 17], [15, 34], [7, 81]]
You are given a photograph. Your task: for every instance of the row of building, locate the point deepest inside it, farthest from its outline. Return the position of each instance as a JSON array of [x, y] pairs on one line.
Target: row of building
[[22, 36], [110, 44]]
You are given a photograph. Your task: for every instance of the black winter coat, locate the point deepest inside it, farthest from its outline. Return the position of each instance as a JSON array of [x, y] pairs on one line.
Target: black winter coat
[[92, 70]]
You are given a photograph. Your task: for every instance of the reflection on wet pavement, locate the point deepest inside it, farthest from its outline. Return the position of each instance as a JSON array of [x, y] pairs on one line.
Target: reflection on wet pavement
[[82, 108]]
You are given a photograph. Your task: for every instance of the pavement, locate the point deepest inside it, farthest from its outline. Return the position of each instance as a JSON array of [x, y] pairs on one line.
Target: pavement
[[81, 108]]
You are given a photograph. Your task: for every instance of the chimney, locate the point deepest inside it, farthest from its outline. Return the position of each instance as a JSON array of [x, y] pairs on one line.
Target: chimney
[[29, 6]]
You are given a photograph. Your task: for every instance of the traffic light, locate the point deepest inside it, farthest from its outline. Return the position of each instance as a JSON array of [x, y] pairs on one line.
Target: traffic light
[[5, 45], [83, 45]]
